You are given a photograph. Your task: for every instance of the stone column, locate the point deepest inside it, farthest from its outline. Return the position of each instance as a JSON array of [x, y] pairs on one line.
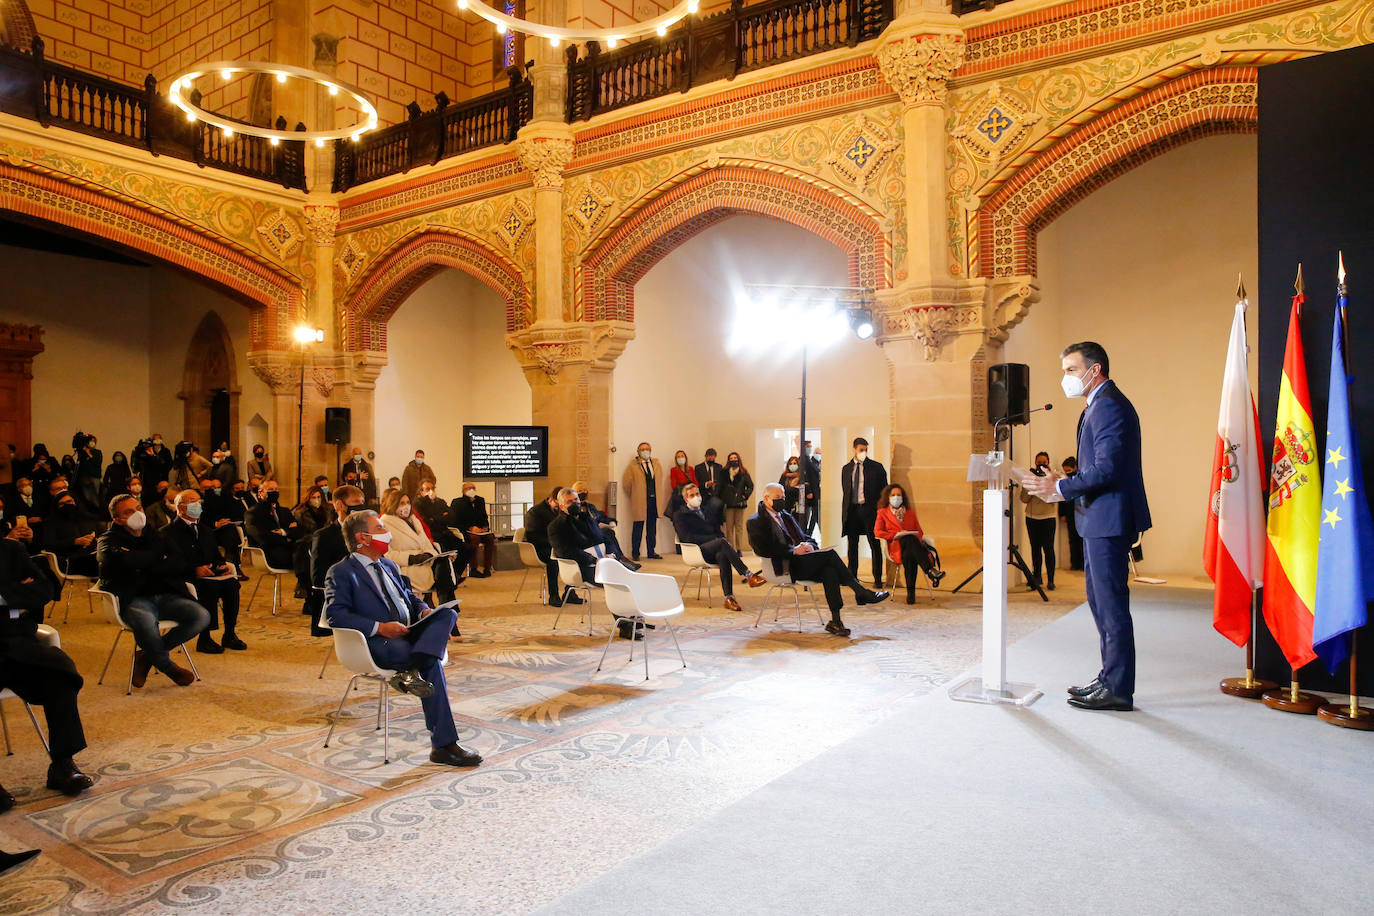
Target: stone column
[[546, 148], [281, 370], [569, 370]]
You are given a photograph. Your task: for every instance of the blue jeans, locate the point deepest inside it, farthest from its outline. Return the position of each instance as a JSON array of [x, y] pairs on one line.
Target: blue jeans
[[141, 615]]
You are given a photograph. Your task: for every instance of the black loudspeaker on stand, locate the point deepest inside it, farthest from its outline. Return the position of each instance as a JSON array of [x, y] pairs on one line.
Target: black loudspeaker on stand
[[338, 429], [1008, 406]]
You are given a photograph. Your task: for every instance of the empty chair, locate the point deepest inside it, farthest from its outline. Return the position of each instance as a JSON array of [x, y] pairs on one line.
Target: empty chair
[[63, 579], [529, 559], [696, 563], [48, 637], [639, 598], [785, 581], [259, 558], [570, 575], [111, 604]]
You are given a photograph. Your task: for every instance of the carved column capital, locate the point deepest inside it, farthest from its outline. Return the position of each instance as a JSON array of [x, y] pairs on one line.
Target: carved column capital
[[279, 369], [322, 222], [551, 348], [364, 367], [932, 316], [545, 153], [918, 65]]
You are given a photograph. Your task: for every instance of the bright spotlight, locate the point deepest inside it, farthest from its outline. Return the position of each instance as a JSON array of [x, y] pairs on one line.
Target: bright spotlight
[[862, 322], [304, 334]]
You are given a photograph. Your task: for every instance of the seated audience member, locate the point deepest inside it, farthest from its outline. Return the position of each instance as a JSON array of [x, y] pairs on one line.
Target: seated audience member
[[28, 504], [791, 480], [775, 536], [393, 483], [736, 490], [604, 525], [261, 465], [709, 475], [270, 526], [154, 494], [571, 540], [138, 568], [245, 494], [896, 514], [223, 466], [694, 527], [39, 674], [412, 550], [220, 512], [70, 533], [366, 592], [363, 477], [135, 490], [327, 547], [322, 481], [313, 512], [17, 529], [470, 516], [682, 472], [161, 513], [537, 521], [191, 539], [434, 511], [116, 480], [416, 473]]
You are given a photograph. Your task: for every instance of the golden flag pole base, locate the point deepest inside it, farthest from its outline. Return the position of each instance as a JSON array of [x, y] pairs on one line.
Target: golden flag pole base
[[1291, 699], [1248, 687]]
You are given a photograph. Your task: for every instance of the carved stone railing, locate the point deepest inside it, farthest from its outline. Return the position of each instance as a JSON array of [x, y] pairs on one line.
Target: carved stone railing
[[56, 95], [428, 136], [717, 47]]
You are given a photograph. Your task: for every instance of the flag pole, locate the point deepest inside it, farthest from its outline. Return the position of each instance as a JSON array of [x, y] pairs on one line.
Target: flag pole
[[1353, 715], [1247, 687], [1291, 698]]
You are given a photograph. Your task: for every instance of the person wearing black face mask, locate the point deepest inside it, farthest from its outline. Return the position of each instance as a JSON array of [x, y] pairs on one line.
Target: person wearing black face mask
[[70, 533], [1040, 527], [271, 526], [90, 462], [117, 477], [601, 526], [736, 489], [220, 513], [261, 465], [327, 547]]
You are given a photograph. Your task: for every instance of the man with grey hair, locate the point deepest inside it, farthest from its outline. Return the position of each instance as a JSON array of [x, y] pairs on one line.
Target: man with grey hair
[[775, 535], [694, 526], [366, 592]]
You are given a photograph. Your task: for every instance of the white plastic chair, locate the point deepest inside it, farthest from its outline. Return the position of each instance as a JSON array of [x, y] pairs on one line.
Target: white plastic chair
[[776, 583], [529, 558], [48, 637], [351, 648], [111, 604], [259, 558], [639, 598], [324, 625], [63, 578], [570, 575], [696, 563]]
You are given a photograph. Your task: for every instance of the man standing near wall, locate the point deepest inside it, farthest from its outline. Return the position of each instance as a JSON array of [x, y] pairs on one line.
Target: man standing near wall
[[861, 482], [642, 485]]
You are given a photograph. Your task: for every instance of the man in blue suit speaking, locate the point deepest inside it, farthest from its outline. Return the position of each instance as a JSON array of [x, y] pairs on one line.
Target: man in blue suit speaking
[[1110, 510], [366, 592]]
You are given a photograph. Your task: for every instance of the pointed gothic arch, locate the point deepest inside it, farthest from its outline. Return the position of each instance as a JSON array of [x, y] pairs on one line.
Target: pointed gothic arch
[[209, 386]]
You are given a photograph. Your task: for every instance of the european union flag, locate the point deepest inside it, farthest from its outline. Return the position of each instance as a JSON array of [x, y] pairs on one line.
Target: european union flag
[[1345, 555]]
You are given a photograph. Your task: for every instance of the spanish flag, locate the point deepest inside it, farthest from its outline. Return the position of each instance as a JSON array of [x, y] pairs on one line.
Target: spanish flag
[[1295, 502]]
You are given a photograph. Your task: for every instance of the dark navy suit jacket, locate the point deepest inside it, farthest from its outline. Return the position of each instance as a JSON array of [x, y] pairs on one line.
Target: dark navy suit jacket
[[1109, 489], [354, 599]]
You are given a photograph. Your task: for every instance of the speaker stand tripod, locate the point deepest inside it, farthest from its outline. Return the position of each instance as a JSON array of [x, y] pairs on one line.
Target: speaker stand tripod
[[1014, 558]]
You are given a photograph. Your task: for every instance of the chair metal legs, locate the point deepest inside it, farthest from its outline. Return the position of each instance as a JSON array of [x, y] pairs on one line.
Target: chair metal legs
[[586, 599], [796, 603], [109, 657], [129, 688], [383, 713], [704, 574], [5, 727], [636, 623], [327, 655], [543, 586]]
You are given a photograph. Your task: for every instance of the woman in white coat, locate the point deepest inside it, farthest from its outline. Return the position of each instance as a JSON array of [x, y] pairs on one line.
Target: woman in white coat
[[411, 549]]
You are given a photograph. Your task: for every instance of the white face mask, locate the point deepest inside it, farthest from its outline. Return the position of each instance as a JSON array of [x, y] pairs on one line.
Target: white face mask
[[860, 456], [316, 502], [694, 502], [644, 453], [137, 521], [792, 467], [383, 537], [403, 512], [682, 462], [469, 493], [419, 461], [1074, 386], [895, 500]]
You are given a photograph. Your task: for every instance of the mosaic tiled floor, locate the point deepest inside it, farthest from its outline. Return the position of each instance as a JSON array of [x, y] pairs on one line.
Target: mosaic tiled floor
[[220, 797]]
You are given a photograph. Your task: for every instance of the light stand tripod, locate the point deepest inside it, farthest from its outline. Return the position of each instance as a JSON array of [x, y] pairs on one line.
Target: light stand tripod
[[1014, 558]]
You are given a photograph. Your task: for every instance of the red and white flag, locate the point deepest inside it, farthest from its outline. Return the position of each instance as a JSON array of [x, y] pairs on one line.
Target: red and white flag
[[1234, 549]]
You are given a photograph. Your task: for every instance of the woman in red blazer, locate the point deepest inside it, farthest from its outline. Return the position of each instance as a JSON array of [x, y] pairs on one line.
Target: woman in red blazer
[[895, 515], [682, 473]]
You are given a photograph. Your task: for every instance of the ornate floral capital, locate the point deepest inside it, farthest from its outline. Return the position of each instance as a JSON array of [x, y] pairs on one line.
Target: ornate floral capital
[[932, 316], [552, 348], [545, 157], [322, 222], [279, 369], [1010, 300], [919, 66]]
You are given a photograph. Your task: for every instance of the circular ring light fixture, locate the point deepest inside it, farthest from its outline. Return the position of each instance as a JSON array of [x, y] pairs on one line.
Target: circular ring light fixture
[[557, 34], [184, 80]]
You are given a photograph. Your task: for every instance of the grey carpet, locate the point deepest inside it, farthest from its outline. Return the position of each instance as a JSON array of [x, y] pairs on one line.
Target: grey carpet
[[1194, 803]]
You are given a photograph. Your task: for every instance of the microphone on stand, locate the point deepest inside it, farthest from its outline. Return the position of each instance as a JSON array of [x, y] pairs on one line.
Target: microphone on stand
[[998, 435]]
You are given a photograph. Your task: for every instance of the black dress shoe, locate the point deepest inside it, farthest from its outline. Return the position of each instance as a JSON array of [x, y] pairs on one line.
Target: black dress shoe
[[11, 862], [574, 599], [1086, 688], [627, 630], [318, 631], [654, 556], [409, 681], [454, 756], [206, 645], [231, 641], [1102, 698], [836, 628], [67, 779], [6, 800], [871, 597]]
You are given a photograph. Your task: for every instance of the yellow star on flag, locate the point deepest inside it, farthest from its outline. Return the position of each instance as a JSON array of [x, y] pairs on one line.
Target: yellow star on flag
[[1331, 519], [1343, 487], [1334, 458]]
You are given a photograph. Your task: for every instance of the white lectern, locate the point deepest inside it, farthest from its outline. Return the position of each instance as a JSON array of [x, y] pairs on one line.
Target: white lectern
[[993, 686]]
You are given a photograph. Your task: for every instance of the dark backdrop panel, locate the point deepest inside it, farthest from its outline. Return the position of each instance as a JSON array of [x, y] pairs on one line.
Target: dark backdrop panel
[[1316, 197]]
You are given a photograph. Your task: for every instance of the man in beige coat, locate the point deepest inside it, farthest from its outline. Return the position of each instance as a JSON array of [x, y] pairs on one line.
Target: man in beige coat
[[642, 488]]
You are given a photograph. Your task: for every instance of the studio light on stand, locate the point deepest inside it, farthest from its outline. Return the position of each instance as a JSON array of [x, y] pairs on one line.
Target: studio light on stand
[[305, 336]]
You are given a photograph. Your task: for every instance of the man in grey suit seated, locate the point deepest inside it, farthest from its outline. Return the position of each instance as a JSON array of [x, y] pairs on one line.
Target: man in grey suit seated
[[366, 592]]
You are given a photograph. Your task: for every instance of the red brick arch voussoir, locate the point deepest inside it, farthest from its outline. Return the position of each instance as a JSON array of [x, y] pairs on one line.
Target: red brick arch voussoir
[[1198, 104]]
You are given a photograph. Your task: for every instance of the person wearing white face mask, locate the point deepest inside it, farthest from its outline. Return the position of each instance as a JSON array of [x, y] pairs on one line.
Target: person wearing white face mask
[[415, 474], [1110, 510], [642, 486], [907, 544], [693, 526], [861, 484], [413, 550], [191, 539], [137, 567]]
